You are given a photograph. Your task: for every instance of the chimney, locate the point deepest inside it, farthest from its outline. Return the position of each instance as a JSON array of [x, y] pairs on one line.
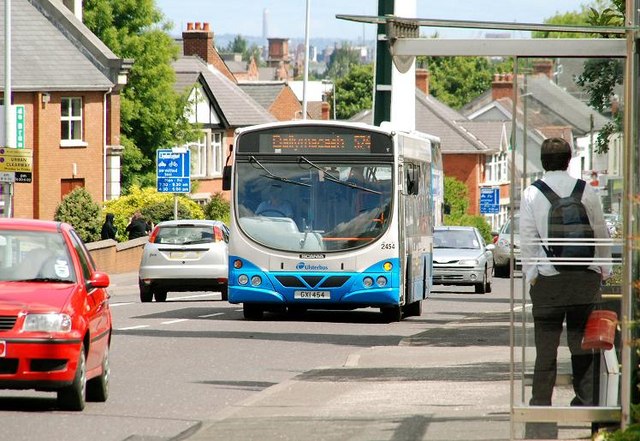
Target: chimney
[[502, 86], [325, 110], [198, 40], [422, 80], [543, 67]]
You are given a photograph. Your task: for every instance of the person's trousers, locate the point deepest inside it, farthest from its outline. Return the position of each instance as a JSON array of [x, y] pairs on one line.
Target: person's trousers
[[570, 297]]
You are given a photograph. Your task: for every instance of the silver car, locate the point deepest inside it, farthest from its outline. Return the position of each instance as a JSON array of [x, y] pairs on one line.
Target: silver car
[[461, 257], [184, 255], [502, 251]]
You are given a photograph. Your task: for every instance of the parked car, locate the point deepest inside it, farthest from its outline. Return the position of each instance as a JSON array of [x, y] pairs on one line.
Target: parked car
[[502, 251], [184, 255], [462, 257], [55, 320]]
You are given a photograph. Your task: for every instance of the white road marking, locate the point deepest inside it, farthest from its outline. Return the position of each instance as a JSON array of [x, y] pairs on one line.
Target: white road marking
[[210, 315], [120, 304], [171, 322], [192, 297], [133, 327]]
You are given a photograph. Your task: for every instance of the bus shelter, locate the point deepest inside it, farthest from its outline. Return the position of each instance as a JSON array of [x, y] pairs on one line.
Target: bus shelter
[[614, 375]]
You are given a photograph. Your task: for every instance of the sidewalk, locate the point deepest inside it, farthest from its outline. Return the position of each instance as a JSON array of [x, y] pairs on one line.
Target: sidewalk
[[420, 390]]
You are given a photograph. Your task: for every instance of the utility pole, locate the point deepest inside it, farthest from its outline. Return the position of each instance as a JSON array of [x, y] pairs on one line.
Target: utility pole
[[382, 80], [7, 187]]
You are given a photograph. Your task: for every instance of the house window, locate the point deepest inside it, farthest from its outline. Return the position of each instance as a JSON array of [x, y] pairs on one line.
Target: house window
[[71, 121], [216, 145], [496, 168], [206, 155]]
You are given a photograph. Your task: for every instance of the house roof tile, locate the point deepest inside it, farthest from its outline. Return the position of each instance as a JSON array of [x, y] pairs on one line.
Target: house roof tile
[[45, 32]]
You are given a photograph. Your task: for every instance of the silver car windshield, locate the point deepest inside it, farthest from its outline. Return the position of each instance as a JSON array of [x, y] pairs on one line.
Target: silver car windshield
[[464, 239], [313, 205], [34, 256]]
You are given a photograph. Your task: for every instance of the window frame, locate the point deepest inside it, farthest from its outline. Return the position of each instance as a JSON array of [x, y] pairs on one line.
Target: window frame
[[67, 140]]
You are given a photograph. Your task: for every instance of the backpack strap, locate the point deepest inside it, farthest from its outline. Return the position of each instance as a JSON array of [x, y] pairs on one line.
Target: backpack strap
[[578, 189], [551, 196], [546, 190]]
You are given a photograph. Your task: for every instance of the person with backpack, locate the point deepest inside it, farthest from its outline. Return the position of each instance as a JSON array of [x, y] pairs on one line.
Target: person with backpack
[[559, 218]]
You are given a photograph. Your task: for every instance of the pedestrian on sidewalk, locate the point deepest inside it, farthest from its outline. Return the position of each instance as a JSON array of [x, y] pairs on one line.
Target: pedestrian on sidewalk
[[559, 292], [138, 227], [109, 229]]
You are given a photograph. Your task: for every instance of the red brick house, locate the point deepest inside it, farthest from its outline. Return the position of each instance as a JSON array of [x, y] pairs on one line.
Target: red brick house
[[68, 82]]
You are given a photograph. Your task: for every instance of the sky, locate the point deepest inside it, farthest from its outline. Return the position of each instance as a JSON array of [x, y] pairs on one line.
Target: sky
[[286, 18]]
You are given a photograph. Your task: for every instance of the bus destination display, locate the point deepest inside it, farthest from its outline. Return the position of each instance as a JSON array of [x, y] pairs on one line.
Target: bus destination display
[[319, 143]]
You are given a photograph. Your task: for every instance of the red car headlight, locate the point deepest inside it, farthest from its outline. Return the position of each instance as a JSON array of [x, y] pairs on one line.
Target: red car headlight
[[51, 322]]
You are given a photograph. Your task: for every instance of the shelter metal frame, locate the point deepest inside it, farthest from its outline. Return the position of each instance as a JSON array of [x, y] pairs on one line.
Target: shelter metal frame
[[403, 44]]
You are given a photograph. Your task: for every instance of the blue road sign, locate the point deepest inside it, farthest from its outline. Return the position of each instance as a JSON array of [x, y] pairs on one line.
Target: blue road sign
[[173, 171], [489, 200]]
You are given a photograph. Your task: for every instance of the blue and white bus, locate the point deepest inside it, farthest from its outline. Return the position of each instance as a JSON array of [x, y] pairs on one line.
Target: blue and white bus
[[332, 215]]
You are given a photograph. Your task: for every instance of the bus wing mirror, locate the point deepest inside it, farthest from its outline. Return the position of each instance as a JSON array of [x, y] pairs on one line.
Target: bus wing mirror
[[226, 177]]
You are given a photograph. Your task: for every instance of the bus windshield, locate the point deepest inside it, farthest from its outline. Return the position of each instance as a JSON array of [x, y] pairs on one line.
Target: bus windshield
[[297, 204]]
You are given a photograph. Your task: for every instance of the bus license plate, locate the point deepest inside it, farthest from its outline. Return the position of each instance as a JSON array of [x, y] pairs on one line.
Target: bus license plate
[[311, 295]]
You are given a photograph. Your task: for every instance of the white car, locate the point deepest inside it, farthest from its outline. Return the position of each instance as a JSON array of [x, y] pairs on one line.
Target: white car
[[462, 257], [184, 255]]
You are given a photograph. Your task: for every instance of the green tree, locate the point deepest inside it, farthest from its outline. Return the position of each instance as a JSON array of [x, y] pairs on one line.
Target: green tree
[[155, 207], [456, 81], [237, 46], [342, 61], [80, 210], [601, 75], [354, 91], [152, 113], [218, 208]]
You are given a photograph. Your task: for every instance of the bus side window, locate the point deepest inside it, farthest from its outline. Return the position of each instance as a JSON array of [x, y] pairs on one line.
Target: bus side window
[[413, 178]]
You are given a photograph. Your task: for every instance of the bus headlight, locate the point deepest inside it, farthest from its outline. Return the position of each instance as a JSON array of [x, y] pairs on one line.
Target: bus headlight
[[256, 280], [367, 282], [381, 281], [387, 266], [243, 279], [237, 264]]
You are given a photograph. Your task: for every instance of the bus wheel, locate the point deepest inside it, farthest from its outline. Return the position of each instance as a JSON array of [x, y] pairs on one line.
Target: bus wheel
[[252, 312], [391, 314], [413, 309]]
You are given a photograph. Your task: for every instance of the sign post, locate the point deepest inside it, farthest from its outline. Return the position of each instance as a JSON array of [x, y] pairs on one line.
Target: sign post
[[173, 173]]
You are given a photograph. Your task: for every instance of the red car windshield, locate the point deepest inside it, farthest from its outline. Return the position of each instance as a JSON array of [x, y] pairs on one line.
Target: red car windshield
[[31, 255]]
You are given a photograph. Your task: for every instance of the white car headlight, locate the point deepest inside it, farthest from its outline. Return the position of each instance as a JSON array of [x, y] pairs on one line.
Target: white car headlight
[[47, 322], [469, 262]]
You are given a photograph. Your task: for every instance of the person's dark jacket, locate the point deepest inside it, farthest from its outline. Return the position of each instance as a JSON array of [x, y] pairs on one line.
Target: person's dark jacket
[[137, 228], [109, 230]]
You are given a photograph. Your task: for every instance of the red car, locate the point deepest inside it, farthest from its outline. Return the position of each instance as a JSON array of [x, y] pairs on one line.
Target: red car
[[55, 320]]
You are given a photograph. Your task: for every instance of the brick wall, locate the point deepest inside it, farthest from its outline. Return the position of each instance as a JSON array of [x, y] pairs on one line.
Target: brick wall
[[466, 168], [114, 258], [51, 162]]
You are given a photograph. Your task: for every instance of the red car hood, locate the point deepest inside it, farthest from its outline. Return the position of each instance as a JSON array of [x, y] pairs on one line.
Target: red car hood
[[46, 297]]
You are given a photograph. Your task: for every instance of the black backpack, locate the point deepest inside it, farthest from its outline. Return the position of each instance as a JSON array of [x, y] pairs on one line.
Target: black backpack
[[568, 220]]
